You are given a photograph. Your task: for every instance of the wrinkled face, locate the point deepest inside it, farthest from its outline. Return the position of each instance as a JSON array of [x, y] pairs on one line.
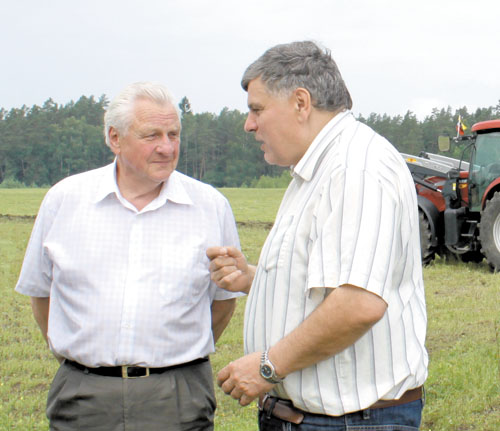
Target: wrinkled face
[[148, 153], [274, 121]]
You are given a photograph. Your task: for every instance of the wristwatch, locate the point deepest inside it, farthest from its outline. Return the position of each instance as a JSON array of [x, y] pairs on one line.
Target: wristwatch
[[267, 370]]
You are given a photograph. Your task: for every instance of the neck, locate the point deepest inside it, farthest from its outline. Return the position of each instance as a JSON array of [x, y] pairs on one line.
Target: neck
[[140, 199], [320, 119], [139, 194]]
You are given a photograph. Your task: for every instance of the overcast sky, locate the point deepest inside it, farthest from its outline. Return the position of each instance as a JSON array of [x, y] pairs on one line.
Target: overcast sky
[[395, 55]]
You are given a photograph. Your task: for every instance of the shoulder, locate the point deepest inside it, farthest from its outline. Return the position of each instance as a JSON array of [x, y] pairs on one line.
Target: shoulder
[[199, 191], [369, 151], [83, 177], [76, 186], [365, 157]]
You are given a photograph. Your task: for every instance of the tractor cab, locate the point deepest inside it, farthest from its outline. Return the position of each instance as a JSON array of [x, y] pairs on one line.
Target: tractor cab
[[484, 172]]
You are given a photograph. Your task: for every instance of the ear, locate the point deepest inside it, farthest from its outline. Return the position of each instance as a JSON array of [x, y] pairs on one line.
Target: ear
[[114, 140], [303, 102]]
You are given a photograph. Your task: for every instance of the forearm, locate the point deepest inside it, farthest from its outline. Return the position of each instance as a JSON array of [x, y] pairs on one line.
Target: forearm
[[40, 307], [222, 312], [343, 317]]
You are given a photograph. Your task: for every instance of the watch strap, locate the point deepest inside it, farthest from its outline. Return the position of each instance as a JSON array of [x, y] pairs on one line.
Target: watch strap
[[266, 362]]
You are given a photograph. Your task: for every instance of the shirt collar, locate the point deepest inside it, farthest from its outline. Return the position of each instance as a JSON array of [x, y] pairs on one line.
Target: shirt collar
[[307, 164], [172, 189], [108, 184]]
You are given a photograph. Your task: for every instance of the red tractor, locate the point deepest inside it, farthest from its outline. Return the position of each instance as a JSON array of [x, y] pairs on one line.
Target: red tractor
[[459, 201]]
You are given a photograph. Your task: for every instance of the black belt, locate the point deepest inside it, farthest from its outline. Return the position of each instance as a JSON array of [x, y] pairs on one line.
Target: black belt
[[285, 410], [131, 372]]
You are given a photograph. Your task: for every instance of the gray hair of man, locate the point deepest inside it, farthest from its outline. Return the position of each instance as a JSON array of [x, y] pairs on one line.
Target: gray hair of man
[[120, 112], [284, 68]]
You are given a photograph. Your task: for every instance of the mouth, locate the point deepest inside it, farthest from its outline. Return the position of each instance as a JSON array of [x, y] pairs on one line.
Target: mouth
[[161, 162]]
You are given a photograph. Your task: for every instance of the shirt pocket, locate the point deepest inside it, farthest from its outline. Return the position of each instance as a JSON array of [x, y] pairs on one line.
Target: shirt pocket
[[184, 274], [278, 244]]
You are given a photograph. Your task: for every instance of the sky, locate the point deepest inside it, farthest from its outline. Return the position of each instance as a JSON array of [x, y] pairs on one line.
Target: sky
[[395, 55]]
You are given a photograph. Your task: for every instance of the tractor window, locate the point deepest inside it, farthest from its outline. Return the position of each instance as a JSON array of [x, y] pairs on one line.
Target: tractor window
[[488, 149], [486, 165]]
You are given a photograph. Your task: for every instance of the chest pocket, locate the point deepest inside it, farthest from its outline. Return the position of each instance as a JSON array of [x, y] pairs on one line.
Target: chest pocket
[[184, 274], [276, 250]]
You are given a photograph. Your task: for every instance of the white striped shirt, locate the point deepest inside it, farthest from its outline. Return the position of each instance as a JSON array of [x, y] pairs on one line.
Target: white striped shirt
[[127, 286], [349, 216]]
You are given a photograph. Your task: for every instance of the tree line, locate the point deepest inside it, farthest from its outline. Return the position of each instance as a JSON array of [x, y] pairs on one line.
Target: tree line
[[40, 145]]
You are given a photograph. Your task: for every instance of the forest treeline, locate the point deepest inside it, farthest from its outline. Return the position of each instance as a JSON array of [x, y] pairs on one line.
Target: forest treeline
[[40, 145]]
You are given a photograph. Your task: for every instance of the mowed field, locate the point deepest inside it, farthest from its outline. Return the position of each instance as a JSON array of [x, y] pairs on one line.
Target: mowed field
[[463, 390]]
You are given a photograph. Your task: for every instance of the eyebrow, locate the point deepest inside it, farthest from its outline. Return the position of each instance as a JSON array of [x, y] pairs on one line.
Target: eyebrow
[[254, 106]]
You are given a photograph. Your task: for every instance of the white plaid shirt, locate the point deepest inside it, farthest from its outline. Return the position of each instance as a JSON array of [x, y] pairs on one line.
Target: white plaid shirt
[[127, 286]]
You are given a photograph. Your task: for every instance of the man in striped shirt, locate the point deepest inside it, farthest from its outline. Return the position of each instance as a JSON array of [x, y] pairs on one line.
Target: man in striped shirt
[[335, 320]]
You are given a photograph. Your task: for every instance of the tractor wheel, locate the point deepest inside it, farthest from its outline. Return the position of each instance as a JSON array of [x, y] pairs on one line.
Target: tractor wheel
[[427, 250], [489, 231]]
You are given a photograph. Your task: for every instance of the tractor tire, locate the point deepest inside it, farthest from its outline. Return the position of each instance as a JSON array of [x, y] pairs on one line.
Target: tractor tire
[[489, 232], [427, 250]]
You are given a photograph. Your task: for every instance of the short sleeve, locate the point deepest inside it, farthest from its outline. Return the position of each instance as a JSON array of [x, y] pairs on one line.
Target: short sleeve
[[229, 238], [358, 235], [35, 278]]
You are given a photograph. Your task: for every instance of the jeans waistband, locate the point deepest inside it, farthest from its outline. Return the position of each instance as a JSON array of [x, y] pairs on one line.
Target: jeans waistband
[[285, 410]]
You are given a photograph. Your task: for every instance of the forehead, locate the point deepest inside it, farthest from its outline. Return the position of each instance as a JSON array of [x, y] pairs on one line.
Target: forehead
[[260, 96], [151, 113], [257, 90]]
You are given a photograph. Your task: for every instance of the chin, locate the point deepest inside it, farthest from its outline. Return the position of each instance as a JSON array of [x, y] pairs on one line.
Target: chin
[[161, 178], [269, 159]]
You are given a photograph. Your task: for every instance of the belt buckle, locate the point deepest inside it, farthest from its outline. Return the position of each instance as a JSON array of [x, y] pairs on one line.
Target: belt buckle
[[126, 376], [263, 402]]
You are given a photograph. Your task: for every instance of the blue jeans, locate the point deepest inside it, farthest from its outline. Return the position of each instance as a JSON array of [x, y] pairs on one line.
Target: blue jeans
[[405, 417]]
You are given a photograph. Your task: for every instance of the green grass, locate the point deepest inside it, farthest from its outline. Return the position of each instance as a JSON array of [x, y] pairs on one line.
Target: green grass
[[463, 330], [254, 205], [464, 344], [20, 202]]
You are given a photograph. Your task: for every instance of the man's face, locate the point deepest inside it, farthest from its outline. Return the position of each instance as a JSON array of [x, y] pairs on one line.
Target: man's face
[[273, 119], [148, 152]]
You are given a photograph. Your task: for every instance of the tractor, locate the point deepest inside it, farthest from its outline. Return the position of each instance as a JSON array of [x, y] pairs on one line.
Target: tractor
[[458, 200]]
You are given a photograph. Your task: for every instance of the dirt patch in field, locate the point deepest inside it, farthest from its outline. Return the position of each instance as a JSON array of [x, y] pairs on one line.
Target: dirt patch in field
[[16, 217], [257, 224]]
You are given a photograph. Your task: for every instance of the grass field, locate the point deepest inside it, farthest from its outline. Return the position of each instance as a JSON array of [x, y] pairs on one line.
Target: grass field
[[463, 331]]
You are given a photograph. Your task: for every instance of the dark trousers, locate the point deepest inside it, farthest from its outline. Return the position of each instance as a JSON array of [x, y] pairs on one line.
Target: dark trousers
[[180, 399], [404, 417]]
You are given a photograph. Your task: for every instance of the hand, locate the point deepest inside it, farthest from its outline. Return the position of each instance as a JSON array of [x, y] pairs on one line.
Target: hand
[[241, 379], [229, 269]]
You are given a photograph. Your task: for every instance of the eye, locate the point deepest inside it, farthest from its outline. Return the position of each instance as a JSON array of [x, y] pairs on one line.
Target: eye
[[150, 136]]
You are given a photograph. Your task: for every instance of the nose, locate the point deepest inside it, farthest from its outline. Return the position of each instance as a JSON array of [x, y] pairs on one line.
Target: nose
[[250, 123], [167, 145]]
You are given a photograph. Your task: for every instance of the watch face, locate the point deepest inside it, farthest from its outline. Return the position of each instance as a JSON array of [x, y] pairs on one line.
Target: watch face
[[266, 371]]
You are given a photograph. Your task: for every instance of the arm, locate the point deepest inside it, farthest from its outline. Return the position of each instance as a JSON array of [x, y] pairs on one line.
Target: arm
[[222, 312], [343, 317], [229, 269], [40, 307]]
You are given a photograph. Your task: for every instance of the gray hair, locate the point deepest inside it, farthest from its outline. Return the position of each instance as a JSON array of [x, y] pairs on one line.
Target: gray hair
[[283, 68], [121, 110]]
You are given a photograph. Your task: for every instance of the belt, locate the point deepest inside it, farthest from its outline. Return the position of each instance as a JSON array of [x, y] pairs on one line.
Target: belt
[[285, 410], [131, 372]]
